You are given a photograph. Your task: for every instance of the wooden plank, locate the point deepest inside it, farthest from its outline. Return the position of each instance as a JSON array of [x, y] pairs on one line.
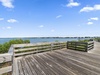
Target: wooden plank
[[77, 65], [55, 66], [30, 52], [15, 67], [6, 69], [11, 50], [5, 57], [29, 72], [47, 69], [26, 45], [24, 67], [80, 57], [31, 65], [33, 52], [91, 42], [60, 62], [87, 56], [24, 49], [36, 67], [25, 53], [78, 45], [30, 49], [20, 70]]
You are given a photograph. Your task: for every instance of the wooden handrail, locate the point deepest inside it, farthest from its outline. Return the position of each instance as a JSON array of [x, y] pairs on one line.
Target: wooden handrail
[[81, 46], [5, 59], [26, 49]]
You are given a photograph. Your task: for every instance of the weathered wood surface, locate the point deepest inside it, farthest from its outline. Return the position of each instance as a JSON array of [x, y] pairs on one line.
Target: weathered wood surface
[[59, 62], [35, 44], [15, 67], [96, 49], [5, 57], [27, 49], [6, 69], [80, 46]]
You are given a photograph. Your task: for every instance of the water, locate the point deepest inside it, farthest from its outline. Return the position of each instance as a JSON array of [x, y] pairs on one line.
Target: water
[[37, 40]]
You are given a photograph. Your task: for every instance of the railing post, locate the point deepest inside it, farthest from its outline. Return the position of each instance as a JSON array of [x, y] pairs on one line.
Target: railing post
[[67, 45], [93, 44], [37, 50], [51, 46], [86, 47], [60, 45], [11, 51], [75, 45], [14, 61]]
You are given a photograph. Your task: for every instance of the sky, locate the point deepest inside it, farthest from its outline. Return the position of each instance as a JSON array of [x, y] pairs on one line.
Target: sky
[[49, 18]]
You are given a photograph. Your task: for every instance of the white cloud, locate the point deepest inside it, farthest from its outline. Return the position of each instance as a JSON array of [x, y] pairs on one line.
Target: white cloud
[[88, 8], [89, 23], [12, 21], [94, 18], [52, 30], [41, 26], [1, 19], [72, 3], [7, 3], [8, 27], [59, 16]]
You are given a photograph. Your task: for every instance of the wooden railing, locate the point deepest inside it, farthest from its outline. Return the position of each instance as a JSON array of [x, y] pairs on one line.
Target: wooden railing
[[25, 49], [6, 62], [18, 50], [80, 46]]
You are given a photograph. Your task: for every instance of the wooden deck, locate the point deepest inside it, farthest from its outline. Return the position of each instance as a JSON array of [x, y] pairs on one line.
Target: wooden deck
[[59, 62], [50, 59]]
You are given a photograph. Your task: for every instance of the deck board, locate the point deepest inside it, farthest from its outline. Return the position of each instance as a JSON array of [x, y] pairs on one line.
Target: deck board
[[5, 70], [60, 62], [77, 64], [81, 57], [20, 69]]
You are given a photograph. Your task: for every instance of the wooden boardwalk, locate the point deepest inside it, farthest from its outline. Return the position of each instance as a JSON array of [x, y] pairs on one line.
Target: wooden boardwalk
[[55, 59], [59, 62]]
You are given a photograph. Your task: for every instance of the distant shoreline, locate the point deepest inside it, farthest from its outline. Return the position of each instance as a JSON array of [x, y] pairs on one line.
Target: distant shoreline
[[45, 37]]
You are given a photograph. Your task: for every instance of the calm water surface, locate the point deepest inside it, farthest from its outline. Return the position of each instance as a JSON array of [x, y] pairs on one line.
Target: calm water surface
[[36, 40]]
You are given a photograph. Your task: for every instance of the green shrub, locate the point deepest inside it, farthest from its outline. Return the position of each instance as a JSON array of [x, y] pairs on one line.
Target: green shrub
[[5, 47], [26, 41]]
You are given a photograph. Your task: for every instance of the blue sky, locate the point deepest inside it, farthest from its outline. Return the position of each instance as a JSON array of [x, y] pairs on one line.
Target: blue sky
[[49, 18]]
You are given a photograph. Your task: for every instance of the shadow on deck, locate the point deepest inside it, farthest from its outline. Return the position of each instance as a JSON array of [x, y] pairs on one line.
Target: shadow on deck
[[59, 62]]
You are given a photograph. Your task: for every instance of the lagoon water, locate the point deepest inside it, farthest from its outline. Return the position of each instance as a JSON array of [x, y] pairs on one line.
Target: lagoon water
[[37, 40]]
